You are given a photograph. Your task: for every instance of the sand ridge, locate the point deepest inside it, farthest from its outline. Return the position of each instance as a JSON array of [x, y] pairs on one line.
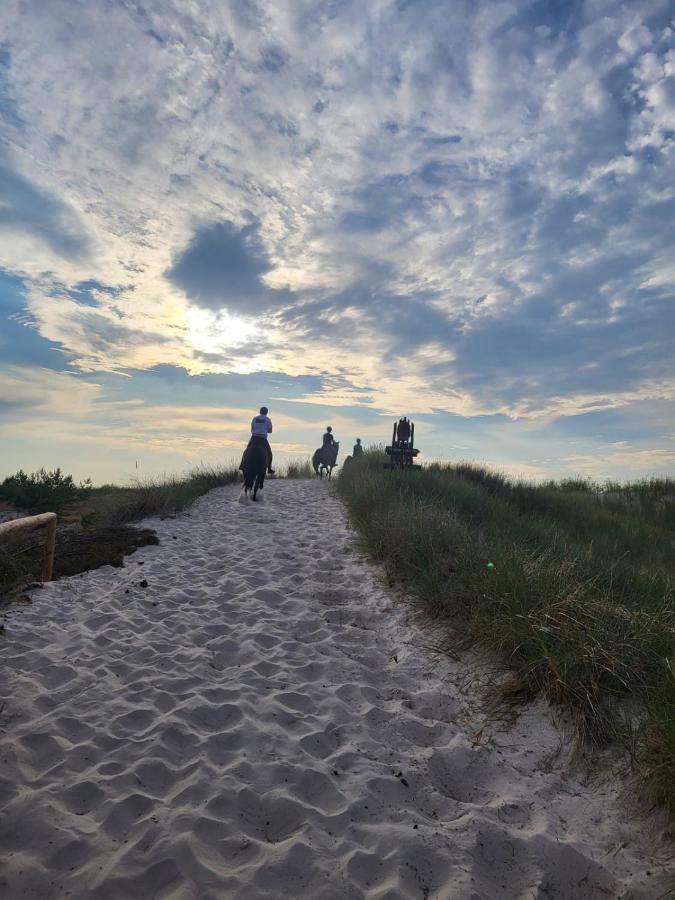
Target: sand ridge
[[244, 711]]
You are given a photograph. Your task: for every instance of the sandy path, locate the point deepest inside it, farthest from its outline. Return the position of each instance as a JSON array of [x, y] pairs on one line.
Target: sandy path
[[255, 723]]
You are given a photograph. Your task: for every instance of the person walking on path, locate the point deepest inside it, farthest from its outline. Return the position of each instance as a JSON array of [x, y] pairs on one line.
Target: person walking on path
[[358, 449]]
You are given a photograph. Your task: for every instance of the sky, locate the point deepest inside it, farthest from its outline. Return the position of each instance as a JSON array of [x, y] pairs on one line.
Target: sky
[[454, 210]]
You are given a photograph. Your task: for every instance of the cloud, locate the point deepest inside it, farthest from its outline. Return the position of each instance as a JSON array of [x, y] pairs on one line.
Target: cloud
[[20, 341], [96, 334], [32, 391], [627, 460], [223, 267], [40, 214], [437, 207], [170, 421], [103, 417]]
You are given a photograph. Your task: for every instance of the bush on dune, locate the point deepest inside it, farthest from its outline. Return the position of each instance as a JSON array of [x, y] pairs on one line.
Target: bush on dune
[[578, 600], [42, 491]]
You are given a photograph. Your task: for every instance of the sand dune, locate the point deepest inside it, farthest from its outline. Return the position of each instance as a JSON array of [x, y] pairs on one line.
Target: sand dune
[[244, 712]]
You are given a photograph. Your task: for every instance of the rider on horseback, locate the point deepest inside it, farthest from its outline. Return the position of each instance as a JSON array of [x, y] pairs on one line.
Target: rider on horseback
[[325, 458], [261, 426]]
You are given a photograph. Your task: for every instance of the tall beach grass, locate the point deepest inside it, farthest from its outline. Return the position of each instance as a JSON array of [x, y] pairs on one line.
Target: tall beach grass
[[302, 469], [161, 496], [570, 582]]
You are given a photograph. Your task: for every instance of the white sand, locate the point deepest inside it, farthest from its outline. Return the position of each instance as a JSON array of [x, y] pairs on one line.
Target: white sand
[[237, 729]]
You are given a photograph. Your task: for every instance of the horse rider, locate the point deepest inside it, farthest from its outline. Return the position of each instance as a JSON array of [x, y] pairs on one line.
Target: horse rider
[[261, 426], [358, 449], [328, 438]]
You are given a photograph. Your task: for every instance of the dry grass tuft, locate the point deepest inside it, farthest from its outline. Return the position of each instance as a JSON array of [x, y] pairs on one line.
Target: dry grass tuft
[[299, 470]]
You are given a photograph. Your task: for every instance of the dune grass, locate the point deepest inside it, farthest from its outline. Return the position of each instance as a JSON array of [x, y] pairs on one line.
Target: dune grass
[[571, 582], [165, 496], [299, 470]]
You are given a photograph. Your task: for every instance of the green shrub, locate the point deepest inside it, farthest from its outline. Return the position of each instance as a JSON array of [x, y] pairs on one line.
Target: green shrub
[[42, 491]]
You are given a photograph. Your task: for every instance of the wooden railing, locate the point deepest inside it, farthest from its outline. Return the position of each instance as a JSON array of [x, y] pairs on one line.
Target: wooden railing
[[30, 523]]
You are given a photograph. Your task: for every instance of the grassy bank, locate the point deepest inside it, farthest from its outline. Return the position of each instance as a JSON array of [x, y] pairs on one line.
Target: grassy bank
[[571, 582], [111, 505], [95, 523]]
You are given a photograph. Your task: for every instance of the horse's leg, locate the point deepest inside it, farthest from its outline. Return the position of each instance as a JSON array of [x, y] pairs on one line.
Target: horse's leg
[[257, 485]]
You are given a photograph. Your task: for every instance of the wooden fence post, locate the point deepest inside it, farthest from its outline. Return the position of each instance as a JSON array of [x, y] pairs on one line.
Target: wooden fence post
[[29, 523], [50, 548]]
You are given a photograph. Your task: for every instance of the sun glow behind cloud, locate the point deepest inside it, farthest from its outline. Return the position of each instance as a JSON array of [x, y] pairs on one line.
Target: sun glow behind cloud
[[213, 333]]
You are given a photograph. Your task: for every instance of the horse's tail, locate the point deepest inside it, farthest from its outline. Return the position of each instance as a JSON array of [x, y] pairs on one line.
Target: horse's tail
[[316, 459]]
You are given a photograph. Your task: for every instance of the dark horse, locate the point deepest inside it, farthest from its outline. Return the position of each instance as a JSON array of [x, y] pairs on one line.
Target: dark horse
[[325, 459], [254, 468]]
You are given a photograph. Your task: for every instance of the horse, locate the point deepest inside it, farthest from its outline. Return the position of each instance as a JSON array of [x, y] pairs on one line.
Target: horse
[[254, 468], [325, 459]]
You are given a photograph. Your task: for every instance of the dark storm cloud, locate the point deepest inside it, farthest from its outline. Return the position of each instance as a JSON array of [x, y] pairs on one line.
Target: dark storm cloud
[[222, 268]]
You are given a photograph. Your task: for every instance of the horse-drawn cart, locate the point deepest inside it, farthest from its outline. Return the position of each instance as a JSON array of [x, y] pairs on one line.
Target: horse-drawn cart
[[402, 451]]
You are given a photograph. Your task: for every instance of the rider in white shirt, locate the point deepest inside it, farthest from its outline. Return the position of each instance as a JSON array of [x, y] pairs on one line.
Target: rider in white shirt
[[261, 426]]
